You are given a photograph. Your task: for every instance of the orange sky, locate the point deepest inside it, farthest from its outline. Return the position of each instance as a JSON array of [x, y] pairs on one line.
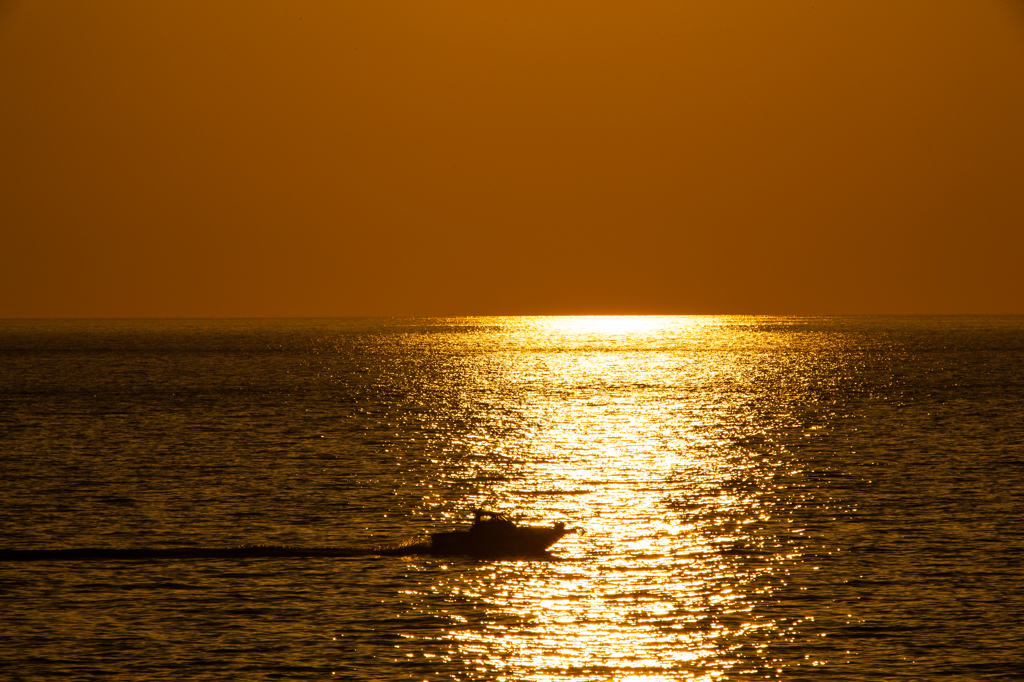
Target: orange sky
[[191, 159]]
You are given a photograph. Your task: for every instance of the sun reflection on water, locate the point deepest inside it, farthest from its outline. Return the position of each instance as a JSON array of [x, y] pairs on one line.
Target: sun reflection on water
[[610, 325], [629, 429]]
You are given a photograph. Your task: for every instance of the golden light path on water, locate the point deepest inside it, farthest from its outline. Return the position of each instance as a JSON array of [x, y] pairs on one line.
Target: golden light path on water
[[627, 428]]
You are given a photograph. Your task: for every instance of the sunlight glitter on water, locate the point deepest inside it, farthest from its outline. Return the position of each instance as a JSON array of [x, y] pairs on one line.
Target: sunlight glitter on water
[[637, 437], [611, 325]]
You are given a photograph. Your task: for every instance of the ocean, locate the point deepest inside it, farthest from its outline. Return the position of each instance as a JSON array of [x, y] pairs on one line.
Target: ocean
[[826, 498]]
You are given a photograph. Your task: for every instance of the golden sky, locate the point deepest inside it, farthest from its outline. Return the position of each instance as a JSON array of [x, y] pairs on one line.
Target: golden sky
[[212, 158]]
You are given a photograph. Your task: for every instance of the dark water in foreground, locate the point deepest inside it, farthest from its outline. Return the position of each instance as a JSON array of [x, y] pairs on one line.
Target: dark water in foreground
[[769, 498]]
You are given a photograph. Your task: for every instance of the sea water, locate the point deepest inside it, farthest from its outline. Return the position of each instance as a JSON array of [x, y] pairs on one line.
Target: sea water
[[756, 497]]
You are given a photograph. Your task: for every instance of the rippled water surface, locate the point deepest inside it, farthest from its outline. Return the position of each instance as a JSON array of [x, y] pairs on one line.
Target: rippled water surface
[[780, 498]]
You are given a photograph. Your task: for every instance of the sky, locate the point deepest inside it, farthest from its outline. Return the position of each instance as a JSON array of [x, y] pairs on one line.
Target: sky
[[180, 158]]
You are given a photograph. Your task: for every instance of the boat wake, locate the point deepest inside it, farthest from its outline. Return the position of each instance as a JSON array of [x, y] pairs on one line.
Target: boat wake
[[406, 547], [491, 536]]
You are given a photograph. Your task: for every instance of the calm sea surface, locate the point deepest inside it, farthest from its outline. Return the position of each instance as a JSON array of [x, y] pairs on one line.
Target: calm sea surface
[[759, 498]]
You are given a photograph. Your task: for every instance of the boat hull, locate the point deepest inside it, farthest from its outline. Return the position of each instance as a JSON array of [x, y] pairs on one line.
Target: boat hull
[[514, 541]]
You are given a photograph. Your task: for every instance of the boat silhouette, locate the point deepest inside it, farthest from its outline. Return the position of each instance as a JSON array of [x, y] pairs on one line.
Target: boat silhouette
[[493, 535]]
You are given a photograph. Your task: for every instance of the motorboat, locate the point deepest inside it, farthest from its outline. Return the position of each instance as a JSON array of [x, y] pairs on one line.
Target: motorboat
[[492, 535]]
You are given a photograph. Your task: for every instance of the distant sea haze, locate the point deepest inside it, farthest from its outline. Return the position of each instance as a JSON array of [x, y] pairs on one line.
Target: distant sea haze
[[772, 498]]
